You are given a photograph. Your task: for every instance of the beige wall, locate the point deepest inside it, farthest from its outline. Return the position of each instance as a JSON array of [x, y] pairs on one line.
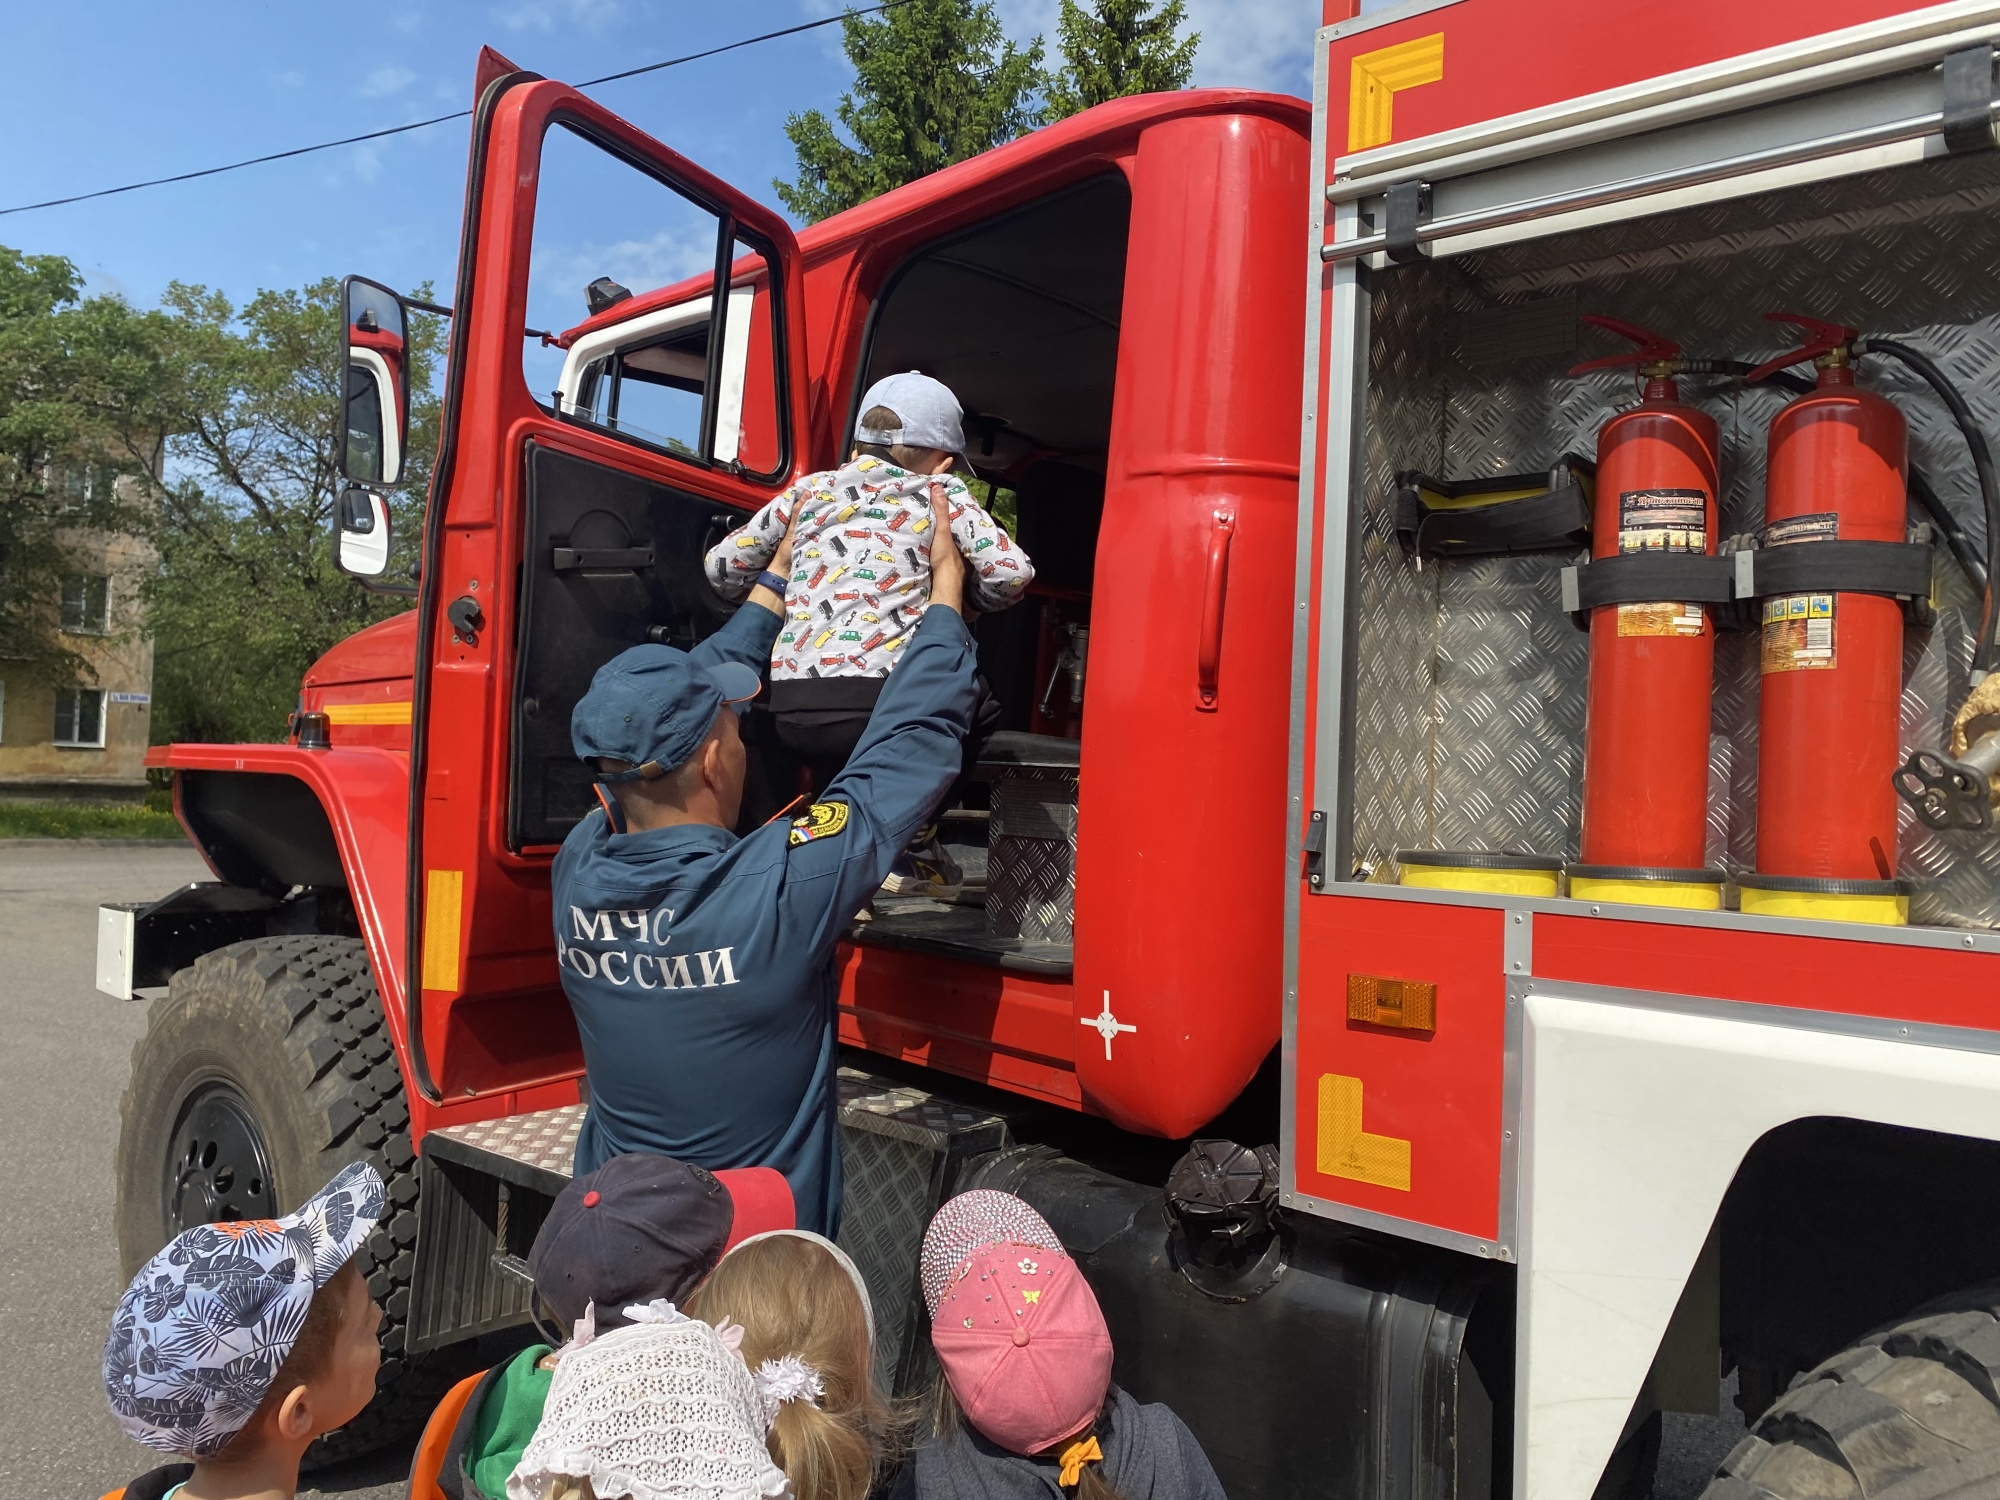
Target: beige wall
[[29, 761]]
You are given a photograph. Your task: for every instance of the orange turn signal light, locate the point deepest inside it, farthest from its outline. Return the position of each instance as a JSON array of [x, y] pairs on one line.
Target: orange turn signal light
[[1407, 1004]]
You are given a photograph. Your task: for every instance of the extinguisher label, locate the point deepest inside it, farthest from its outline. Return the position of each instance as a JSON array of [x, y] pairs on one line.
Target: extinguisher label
[[1663, 521], [1821, 526], [1660, 619], [1798, 633]]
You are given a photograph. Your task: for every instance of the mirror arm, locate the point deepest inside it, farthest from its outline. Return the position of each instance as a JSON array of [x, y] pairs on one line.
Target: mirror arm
[[429, 307], [376, 586]]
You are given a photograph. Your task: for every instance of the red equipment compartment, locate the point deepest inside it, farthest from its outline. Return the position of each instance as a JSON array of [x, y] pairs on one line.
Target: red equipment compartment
[[1831, 665], [1179, 916], [1645, 753], [1430, 1101]]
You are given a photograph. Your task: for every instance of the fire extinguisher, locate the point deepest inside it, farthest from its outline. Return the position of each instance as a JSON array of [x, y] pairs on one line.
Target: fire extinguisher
[[1830, 657], [1652, 643]]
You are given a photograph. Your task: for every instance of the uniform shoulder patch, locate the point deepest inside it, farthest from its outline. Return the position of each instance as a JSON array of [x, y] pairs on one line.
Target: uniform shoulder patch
[[821, 821]]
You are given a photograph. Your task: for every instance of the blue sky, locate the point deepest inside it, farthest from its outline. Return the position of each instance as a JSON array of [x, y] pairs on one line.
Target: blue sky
[[104, 93]]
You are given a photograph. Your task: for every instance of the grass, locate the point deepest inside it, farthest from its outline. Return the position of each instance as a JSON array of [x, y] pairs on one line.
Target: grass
[[86, 820]]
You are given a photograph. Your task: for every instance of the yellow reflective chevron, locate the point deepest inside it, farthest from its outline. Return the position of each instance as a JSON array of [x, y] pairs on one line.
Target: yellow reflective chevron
[[1374, 80]]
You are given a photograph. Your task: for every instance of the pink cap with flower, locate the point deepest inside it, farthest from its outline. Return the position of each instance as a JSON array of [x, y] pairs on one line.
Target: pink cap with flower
[[969, 1223], [1021, 1339]]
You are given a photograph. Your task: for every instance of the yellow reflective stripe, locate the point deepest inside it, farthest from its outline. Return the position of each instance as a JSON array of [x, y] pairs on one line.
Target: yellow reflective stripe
[[1377, 77], [444, 895], [367, 713]]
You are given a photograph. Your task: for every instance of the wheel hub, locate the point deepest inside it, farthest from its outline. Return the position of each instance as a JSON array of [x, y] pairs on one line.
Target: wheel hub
[[217, 1168]]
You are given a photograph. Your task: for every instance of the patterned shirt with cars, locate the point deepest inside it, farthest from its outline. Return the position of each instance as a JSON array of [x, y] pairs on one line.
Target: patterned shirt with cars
[[861, 565]]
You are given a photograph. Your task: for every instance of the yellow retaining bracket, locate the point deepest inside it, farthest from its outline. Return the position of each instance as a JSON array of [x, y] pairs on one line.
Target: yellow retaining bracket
[[1346, 1150], [1375, 79]]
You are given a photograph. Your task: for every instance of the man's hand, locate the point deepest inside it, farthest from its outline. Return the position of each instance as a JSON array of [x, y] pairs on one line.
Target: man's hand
[[947, 563], [781, 563], [781, 560]]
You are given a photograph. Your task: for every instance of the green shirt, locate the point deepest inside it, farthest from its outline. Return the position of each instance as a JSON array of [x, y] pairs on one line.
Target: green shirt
[[507, 1418]]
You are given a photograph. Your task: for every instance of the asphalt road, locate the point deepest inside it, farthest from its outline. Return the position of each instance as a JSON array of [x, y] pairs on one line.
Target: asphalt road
[[62, 1073]]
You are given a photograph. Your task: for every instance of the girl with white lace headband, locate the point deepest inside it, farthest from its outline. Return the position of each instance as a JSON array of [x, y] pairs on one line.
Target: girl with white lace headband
[[661, 1409], [808, 1332]]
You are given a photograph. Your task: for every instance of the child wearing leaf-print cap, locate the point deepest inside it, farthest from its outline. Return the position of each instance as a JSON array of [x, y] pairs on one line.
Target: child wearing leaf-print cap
[[240, 1343]]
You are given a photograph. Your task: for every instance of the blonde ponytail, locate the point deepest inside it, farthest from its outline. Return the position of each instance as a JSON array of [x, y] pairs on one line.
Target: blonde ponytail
[[793, 1298]]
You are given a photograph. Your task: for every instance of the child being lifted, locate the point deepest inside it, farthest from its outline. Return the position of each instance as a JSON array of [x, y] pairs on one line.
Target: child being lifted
[[860, 581]]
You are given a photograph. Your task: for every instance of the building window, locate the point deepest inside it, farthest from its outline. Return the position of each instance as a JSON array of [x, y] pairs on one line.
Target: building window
[[80, 718], [86, 604], [75, 486]]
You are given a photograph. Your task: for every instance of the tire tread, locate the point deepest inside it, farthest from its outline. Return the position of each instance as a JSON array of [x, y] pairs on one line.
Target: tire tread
[[1834, 1434]]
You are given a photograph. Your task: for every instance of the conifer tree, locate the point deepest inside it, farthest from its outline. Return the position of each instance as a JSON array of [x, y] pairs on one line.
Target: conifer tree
[[935, 81], [1118, 47]]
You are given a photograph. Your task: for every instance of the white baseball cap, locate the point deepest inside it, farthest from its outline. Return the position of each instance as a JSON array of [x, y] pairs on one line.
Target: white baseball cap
[[931, 415]]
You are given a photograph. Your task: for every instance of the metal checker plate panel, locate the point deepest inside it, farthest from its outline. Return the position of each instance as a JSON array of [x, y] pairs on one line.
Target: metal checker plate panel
[[1470, 681], [1031, 880], [544, 1141]]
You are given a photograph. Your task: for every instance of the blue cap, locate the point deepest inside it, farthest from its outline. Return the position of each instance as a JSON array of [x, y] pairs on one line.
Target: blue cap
[[653, 706], [928, 412]]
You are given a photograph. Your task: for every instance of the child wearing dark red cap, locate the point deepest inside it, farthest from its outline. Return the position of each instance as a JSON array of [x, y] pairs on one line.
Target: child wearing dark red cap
[[1025, 1405], [638, 1231]]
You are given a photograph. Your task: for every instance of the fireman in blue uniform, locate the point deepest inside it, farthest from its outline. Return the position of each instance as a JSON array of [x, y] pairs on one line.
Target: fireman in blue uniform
[[700, 965]]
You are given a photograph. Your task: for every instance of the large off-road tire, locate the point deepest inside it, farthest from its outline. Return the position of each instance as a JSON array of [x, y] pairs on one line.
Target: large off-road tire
[[265, 1070], [1912, 1412]]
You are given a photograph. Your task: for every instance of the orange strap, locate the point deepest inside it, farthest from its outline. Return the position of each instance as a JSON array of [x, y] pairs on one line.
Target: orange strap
[[1075, 1456], [432, 1446]]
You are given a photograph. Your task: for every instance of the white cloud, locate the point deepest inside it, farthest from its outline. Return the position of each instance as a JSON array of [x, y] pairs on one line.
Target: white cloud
[[560, 272], [383, 82], [549, 15], [1257, 44]]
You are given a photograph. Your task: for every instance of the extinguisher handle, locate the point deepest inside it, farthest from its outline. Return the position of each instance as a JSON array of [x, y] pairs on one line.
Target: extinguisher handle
[[1822, 338], [1654, 348]]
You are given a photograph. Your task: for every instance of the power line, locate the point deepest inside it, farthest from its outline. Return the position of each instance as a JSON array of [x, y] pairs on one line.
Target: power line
[[459, 114]]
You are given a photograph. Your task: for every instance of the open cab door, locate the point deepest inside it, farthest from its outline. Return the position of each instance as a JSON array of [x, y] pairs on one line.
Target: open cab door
[[581, 476]]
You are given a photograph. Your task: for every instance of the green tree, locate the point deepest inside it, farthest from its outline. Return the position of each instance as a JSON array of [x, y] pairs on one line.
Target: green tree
[[81, 422], [247, 594], [935, 81], [1119, 47]]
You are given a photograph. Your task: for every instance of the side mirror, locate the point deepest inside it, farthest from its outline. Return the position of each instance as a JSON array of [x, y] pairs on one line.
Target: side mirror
[[361, 535], [375, 405]]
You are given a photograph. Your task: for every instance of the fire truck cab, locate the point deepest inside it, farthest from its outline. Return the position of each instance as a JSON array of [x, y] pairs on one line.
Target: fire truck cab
[[1408, 1154]]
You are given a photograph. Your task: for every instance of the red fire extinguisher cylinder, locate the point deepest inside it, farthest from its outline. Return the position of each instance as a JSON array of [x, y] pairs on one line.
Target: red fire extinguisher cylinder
[[1645, 755], [1831, 663]]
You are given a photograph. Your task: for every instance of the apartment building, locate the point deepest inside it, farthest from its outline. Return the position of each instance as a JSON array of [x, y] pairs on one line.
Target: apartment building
[[87, 738]]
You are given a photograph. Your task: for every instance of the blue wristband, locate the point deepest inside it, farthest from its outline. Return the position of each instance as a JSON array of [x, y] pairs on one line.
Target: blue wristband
[[768, 579]]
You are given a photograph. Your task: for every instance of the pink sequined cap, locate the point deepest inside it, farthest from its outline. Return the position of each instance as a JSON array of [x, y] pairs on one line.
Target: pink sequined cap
[[969, 1223]]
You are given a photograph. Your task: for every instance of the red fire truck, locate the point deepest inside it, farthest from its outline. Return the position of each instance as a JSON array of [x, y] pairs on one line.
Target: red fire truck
[[1536, 801]]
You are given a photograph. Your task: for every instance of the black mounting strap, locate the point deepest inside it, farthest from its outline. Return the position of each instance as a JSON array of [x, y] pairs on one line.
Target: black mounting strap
[[630, 559], [1557, 520], [1649, 578], [1405, 206], [1901, 570], [1968, 99]]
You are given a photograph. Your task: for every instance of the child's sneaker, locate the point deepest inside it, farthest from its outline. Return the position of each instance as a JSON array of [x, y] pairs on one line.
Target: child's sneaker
[[924, 869]]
